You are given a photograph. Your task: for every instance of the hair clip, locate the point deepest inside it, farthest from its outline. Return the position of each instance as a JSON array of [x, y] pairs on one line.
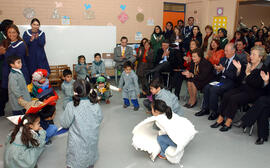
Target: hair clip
[[25, 121]]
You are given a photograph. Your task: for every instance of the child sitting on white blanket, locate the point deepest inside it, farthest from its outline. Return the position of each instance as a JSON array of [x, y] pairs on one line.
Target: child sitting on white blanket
[[168, 142]]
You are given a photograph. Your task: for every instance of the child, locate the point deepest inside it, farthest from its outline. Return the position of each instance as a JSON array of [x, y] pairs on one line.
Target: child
[[40, 87], [81, 68], [25, 144], [67, 87], [165, 95], [17, 89], [98, 68], [47, 115], [169, 141], [83, 117], [103, 89], [129, 86]]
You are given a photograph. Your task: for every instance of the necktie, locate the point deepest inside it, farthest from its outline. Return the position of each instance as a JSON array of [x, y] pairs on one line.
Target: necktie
[[123, 51], [226, 64]]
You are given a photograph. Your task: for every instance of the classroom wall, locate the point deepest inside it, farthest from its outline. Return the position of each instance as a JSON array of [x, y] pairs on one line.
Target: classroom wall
[[107, 11], [250, 19]]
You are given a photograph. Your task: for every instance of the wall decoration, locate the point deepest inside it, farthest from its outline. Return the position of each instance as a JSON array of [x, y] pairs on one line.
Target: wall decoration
[[123, 17], [138, 36], [220, 11], [123, 7], [29, 13], [65, 20], [88, 13], [219, 22], [58, 4], [150, 22], [55, 14], [140, 15]]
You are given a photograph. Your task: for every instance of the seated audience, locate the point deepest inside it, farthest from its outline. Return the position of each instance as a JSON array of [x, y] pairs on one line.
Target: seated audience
[[199, 75], [250, 90], [168, 31], [81, 68], [259, 112], [194, 35], [242, 55], [207, 39], [215, 53], [222, 34], [122, 54], [156, 40], [237, 35], [226, 78], [188, 58]]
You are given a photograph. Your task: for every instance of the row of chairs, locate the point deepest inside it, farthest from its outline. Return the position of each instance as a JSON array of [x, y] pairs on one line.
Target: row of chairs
[[56, 75]]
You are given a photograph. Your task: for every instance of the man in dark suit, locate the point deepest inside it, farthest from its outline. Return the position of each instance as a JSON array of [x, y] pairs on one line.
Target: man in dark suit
[[187, 30], [165, 60], [226, 75], [123, 53]]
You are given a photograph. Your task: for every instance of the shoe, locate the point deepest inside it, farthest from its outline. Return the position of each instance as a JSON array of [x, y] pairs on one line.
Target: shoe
[[225, 128], [186, 105], [213, 116], [260, 141], [136, 108], [216, 125], [191, 106], [108, 102], [161, 157], [239, 124], [202, 112], [125, 106]]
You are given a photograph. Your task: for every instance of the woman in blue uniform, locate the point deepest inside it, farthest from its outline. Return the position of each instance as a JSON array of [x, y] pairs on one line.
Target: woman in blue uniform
[[35, 40], [13, 45]]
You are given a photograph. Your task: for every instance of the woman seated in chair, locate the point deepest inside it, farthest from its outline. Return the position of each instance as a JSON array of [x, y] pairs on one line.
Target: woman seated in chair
[[215, 52], [259, 112], [251, 89], [199, 75]]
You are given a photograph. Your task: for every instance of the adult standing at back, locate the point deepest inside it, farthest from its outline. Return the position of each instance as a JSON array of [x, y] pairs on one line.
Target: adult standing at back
[[13, 45], [188, 28], [123, 53], [35, 40]]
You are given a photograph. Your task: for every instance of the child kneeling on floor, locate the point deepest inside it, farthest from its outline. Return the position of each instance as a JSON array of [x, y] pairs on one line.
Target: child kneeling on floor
[[83, 117], [47, 115], [129, 86], [25, 144]]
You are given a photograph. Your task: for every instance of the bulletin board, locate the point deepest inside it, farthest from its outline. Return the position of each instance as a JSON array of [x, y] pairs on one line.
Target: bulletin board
[[130, 17], [219, 22]]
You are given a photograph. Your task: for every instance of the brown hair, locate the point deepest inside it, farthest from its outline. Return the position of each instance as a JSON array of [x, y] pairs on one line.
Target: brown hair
[[27, 136], [7, 42], [198, 51], [217, 42]]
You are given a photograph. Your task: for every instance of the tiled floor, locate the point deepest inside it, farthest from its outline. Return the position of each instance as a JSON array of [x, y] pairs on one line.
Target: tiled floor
[[209, 149]]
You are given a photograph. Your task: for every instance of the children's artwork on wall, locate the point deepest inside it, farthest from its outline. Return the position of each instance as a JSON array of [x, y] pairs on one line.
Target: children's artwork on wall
[[88, 13], [123, 17], [58, 4], [138, 36], [123, 7], [29, 13], [140, 15], [150, 22], [219, 22], [55, 14], [65, 20]]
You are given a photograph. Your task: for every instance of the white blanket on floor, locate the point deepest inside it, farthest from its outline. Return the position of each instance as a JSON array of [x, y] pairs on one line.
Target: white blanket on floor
[[179, 129]]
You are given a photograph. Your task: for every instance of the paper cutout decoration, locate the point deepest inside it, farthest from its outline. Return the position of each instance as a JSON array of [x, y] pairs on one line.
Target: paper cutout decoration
[[65, 20], [58, 4], [29, 13], [138, 36], [89, 14], [55, 14], [139, 9], [220, 11], [150, 22], [140, 17], [123, 17], [123, 7], [219, 22], [87, 6]]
